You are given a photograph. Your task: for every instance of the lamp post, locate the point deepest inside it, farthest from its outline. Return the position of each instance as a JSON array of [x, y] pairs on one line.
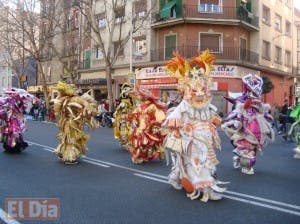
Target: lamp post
[[130, 40]]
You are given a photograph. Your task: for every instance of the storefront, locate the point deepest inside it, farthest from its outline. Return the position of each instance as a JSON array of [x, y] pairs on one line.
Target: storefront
[[98, 87], [39, 93], [158, 80], [228, 82], [226, 79]]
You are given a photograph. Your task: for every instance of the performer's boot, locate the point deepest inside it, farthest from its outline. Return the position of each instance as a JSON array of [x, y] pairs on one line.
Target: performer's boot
[[247, 165], [194, 195], [297, 152], [174, 179], [209, 194], [249, 171], [236, 162]]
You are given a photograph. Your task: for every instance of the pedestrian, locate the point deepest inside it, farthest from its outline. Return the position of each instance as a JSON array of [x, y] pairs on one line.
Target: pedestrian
[[42, 109], [275, 114], [36, 112], [51, 114], [283, 117]]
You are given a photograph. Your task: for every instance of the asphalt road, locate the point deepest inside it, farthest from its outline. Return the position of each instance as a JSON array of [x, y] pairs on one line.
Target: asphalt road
[[105, 187]]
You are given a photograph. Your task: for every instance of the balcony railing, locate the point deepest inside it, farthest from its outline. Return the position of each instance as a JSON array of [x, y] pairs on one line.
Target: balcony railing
[[226, 53], [218, 12]]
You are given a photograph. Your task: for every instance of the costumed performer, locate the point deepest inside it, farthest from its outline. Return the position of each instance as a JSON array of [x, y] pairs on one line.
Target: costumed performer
[[193, 137], [73, 112], [126, 106], [294, 130], [249, 125], [146, 135], [14, 103]]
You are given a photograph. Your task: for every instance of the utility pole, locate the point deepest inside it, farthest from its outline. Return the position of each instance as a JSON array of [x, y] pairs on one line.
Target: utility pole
[[130, 39]]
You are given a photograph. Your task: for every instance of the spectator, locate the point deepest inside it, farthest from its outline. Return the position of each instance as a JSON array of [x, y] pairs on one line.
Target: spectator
[[242, 11], [275, 114], [42, 111], [51, 113], [283, 117], [36, 112]]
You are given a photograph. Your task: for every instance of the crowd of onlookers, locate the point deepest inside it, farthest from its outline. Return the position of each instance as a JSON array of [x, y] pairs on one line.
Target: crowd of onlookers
[[39, 112], [281, 116], [105, 116]]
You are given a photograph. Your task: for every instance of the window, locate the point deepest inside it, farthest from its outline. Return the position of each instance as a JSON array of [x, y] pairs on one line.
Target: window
[[298, 62], [99, 53], [266, 15], [168, 10], [48, 75], [287, 3], [120, 15], [140, 8], [101, 20], [287, 28], [298, 37], [140, 45], [266, 50], [170, 45], [277, 22], [287, 58], [211, 41], [117, 44], [75, 19], [210, 6], [243, 49], [44, 29], [278, 58]]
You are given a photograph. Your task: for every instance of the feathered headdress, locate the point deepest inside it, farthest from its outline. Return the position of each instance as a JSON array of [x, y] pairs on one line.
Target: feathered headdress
[[182, 69]]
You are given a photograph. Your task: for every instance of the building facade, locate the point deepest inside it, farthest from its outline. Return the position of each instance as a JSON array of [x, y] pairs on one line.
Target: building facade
[[257, 37]]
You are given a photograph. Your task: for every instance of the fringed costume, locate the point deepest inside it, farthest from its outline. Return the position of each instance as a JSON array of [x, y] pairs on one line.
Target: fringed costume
[[146, 135], [294, 130], [192, 137], [126, 106], [249, 125], [73, 112], [14, 103]]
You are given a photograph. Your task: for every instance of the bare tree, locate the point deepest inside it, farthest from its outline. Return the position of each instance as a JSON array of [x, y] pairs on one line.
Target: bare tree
[[112, 27], [32, 27], [21, 34]]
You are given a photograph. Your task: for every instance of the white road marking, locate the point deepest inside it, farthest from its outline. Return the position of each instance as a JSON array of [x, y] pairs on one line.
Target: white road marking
[[244, 200], [163, 179], [94, 163], [4, 217], [151, 178], [263, 205], [263, 199], [106, 163]]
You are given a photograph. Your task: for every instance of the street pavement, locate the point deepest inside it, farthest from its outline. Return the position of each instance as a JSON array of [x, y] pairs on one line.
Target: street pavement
[[105, 187]]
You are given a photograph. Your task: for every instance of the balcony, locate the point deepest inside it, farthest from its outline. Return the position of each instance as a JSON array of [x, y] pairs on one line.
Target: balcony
[[214, 14], [235, 54]]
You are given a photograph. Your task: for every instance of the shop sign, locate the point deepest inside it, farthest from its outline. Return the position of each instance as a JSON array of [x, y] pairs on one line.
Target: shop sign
[[151, 73], [169, 80], [224, 71], [229, 71]]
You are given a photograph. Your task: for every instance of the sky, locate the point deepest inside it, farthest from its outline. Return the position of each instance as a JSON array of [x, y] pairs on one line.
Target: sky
[[297, 4]]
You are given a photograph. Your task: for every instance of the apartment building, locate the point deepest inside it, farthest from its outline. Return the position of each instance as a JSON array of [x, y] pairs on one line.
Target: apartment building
[[246, 36], [60, 42], [136, 52]]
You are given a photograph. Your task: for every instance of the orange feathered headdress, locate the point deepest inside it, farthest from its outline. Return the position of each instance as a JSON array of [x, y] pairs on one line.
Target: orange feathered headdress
[[180, 68]]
